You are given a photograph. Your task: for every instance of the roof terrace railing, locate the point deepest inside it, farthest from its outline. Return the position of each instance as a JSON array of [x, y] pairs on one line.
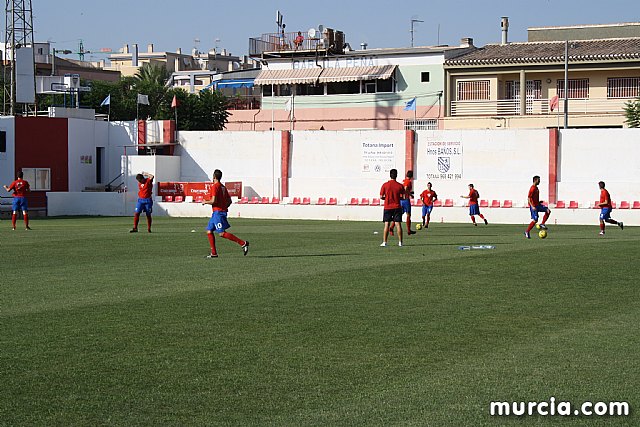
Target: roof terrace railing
[[511, 107], [283, 42]]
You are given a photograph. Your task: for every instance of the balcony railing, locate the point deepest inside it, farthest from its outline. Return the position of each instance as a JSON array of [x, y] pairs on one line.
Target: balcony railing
[[278, 42], [244, 103], [511, 107]]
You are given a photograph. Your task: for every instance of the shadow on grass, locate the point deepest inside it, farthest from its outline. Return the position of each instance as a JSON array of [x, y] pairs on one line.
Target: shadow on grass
[[300, 256]]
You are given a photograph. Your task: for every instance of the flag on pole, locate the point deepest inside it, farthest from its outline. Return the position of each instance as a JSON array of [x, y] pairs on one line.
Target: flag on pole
[[143, 99], [410, 105], [553, 102], [174, 102], [287, 105], [106, 101]]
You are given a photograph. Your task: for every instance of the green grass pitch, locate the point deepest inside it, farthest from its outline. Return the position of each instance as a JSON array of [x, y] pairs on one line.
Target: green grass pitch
[[318, 325]]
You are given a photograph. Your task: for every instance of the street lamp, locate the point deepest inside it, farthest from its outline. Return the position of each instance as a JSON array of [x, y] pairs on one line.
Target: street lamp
[[53, 59]]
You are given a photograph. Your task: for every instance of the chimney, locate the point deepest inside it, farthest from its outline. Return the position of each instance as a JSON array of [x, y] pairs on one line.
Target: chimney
[[179, 51], [125, 48], [134, 55], [364, 45], [150, 48], [504, 24], [466, 42]]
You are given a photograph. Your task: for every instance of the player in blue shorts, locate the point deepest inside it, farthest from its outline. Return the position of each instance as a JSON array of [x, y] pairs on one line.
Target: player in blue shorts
[[605, 209], [145, 202]]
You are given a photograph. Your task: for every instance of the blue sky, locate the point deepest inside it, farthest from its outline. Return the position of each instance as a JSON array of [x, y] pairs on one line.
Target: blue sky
[[172, 24]]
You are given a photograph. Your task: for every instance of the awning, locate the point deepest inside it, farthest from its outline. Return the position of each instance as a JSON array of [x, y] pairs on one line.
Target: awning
[[233, 83], [353, 74], [288, 77]]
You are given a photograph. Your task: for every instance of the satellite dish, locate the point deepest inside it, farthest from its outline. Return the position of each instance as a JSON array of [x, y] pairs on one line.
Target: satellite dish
[[312, 33]]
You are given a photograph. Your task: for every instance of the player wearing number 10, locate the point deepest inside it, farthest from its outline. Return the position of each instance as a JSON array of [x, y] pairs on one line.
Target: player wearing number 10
[[220, 201]]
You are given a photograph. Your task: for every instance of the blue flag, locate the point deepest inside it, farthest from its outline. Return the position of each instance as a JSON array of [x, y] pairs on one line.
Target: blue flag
[[107, 101], [410, 105]]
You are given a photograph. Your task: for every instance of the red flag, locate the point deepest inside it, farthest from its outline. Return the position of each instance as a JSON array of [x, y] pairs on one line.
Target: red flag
[[175, 102], [553, 103]]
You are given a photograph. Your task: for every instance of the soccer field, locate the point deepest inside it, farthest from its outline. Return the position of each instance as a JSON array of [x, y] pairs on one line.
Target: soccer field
[[318, 325]]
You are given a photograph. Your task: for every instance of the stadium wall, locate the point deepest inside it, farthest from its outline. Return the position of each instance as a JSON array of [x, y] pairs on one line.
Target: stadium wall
[[7, 158]]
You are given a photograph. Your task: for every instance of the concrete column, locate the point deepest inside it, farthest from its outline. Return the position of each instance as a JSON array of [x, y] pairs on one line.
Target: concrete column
[[523, 93], [285, 142], [409, 153], [553, 164]]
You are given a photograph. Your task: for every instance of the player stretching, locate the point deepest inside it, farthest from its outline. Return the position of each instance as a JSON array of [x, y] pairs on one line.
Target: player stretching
[[535, 206], [474, 209], [392, 192], [220, 201], [428, 196], [145, 202], [20, 188], [605, 209], [405, 203]]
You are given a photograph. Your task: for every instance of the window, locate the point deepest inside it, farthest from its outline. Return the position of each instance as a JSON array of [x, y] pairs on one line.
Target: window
[[280, 90], [623, 87], [343, 88], [310, 89], [578, 88], [424, 76], [385, 85], [39, 179], [421, 124], [473, 90]]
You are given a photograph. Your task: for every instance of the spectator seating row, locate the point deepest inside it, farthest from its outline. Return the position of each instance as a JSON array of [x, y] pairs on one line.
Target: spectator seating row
[[365, 201]]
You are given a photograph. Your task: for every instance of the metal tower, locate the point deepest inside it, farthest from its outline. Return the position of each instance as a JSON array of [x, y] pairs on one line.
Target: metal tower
[[19, 35]]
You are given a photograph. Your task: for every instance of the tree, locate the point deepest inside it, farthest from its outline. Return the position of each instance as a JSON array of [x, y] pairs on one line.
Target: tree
[[632, 113]]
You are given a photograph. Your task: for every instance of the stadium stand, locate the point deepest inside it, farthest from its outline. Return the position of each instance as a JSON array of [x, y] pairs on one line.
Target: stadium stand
[[495, 203], [624, 205], [306, 200], [275, 200], [560, 204], [364, 201], [448, 203], [243, 200], [573, 204], [484, 203], [322, 201], [333, 201], [507, 204]]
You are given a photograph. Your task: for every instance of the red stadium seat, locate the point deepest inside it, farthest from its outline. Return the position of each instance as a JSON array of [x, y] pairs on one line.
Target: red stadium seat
[[507, 204], [413, 202], [275, 200], [484, 203], [560, 204], [437, 203], [265, 201], [636, 204], [297, 201], [354, 201], [167, 198], [495, 203], [418, 202], [198, 198], [375, 202], [613, 205], [333, 201], [322, 201], [624, 205], [573, 204], [243, 201], [306, 200], [179, 199], [254, 200], [448, 203], [595, 204], [364, 202]]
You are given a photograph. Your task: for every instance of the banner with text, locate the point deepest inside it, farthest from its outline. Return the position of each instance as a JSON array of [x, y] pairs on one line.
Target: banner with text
[[444, 160], [378, 157]]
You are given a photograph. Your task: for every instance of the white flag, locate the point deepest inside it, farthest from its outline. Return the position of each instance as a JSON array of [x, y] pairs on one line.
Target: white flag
[[287, 105], [143, 99], [107, 101]]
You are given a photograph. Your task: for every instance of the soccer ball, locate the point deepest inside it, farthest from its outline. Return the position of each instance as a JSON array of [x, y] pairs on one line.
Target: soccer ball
[[418, 226], [542, 234]]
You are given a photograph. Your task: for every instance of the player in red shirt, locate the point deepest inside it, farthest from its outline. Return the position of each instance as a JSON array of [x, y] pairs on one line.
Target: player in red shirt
[[535, 206], [428, 196], [474, 209], [20, 188], [392, 192], [145, 202], [220, 201], [405, 203], [605, 209]]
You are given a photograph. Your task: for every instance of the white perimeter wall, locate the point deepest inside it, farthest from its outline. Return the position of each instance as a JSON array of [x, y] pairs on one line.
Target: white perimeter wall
[[7, 159]]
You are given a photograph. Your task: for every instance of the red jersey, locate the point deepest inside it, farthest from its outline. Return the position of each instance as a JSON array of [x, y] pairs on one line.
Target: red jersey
[[223, 200], [144, 189], [392, 192], [20, 188], [428, 196], [534, 195], [605, 197], [473, 196], [408, 187]]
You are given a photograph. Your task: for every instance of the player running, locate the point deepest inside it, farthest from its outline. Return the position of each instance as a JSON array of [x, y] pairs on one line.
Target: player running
[[474, 208], [428, 196], [405, 203], [145, 202], [535, 206], [20, 188], [605, 209], [392, 193], [220, 201]]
